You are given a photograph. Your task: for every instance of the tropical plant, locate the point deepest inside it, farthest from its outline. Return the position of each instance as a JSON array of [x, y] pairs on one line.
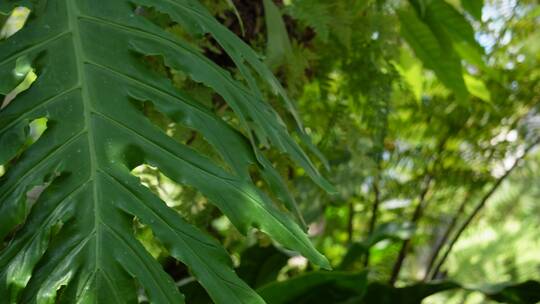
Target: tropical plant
[[151, 151], [428, 149], [69, 202]]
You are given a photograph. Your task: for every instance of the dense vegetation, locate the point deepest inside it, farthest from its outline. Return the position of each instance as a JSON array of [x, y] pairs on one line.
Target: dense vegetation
[[278, 151]]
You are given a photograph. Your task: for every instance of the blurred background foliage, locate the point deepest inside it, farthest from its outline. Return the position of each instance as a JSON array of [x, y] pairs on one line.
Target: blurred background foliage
[[427, 112]]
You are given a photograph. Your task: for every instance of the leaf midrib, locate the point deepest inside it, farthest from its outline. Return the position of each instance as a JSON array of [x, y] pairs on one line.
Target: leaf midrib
[[74, 18], [73, 24], [88, 111]]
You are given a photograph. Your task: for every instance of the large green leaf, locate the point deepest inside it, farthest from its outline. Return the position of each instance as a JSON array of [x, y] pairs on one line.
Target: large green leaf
[[317, 287], [441, 37], [473, 7], [436, 56], [261, 265], [279, 48], [413, 294], [447, 23], [348, 287], [386, 231], [527, 292], [76, 244]]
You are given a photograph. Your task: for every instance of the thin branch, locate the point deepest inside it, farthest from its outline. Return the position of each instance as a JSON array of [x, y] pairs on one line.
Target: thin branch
[[405, 246], [374, 212], [350, 223], [374, 208], [418, 212], [461, 209], [479, 207], [448, 231]]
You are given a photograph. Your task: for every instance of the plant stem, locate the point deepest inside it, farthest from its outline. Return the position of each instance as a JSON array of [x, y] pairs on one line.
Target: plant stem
[[418, 211], [479, 207], [350, 223], [374, 213], [451, 226], [448, 231], [374, 209], [405, 246]]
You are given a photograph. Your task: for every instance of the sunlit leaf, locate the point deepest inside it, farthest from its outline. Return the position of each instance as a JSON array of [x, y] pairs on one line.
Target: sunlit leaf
[[443, 61], [477, 88]]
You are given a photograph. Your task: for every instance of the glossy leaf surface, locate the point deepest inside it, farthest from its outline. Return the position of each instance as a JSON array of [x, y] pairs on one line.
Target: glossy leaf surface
[[76, 244]]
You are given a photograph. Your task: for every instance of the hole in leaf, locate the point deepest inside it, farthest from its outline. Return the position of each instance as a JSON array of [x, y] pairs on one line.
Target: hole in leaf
[[37, 128], [164, 21], [180, 80], [144, 234], [272, 183], [179, 132], [189, 202], [190, 33], [25, 204], [14, 22], [193, 291], [21, 79], [18, 140], [142, 297], [33, 195], [197, 91]]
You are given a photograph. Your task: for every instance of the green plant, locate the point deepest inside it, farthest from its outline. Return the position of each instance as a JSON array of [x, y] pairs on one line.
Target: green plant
[[350, 287], [68, 198]]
